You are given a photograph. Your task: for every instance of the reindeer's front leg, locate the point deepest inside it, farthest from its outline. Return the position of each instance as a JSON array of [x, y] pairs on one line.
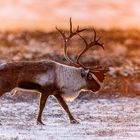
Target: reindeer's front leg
[[65, 107], [43, 100]]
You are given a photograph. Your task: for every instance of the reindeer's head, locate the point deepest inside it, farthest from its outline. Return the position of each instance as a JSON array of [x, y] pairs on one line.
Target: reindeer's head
[[94, 76]]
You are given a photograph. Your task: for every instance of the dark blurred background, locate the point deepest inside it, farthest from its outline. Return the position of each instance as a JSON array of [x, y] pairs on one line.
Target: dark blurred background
[[27, 32]]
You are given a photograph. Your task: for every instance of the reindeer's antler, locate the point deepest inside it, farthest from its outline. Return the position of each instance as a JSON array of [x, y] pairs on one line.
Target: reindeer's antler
[[94, 42], [67, 39]]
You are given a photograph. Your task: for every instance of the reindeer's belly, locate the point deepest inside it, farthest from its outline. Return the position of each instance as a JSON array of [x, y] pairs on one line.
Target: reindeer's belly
[[69, 95]]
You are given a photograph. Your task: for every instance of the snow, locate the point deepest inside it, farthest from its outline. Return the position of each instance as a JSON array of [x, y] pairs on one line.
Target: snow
[[100, 119]]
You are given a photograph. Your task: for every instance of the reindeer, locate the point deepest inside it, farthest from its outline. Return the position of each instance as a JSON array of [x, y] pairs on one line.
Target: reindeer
[[49, 77]]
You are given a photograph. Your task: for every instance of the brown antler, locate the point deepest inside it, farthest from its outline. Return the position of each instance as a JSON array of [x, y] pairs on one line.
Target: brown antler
[[67, 39], [95, 42]]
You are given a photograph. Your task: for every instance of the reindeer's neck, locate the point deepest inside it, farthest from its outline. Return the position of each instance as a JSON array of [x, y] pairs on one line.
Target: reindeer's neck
[[69, 78]]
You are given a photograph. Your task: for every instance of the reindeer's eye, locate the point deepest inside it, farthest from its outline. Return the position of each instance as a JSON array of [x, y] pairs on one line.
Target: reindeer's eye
[[89, 77]]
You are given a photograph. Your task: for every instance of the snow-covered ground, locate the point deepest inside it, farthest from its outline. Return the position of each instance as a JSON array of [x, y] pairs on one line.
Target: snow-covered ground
[[100, 119]]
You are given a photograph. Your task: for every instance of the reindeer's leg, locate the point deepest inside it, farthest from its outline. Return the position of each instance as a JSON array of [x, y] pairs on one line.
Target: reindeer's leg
[[44, 95], [43, 100], [65, 107]]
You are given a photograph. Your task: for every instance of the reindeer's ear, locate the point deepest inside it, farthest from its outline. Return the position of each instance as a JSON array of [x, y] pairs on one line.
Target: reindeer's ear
[[84, 73]]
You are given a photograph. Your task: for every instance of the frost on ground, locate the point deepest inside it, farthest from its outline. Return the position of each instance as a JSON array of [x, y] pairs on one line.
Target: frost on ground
[[102, 119]]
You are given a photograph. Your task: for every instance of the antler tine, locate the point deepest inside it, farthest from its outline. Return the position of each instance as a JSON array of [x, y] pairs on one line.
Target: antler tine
[[70, 26], [76, 32], [63, 35], [96, 40]]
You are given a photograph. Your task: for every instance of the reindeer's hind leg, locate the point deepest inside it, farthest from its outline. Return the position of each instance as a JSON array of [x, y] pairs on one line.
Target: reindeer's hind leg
[[45, 92], [43, 100], [44, 95], [65, 107]]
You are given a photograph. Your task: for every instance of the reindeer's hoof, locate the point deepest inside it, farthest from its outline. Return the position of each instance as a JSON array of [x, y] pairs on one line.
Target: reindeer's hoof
[[74, 121], [40, 122]]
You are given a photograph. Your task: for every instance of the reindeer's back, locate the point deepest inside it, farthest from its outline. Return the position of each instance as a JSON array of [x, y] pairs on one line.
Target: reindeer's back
[[25, 71]]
